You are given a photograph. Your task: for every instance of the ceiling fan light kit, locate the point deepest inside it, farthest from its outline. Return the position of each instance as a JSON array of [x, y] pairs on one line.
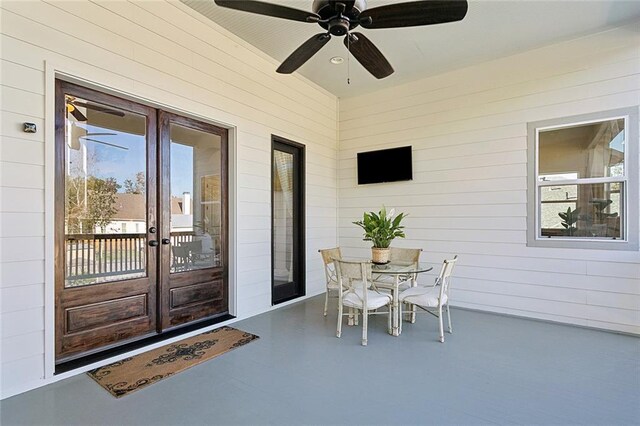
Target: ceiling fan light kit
[[340, 17]]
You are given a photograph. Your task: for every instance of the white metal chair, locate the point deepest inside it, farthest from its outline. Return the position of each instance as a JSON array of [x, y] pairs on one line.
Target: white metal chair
[[354, 293], [181, 259], [432, 298], [198, 256], [330, 272], [408, 256]]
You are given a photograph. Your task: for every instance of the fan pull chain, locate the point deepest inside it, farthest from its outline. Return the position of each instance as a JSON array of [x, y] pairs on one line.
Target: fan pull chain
[[348, 59]]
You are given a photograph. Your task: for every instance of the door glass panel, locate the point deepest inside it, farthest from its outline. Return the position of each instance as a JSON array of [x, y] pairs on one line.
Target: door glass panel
[[196, 211], [282, 218], [105, 193]]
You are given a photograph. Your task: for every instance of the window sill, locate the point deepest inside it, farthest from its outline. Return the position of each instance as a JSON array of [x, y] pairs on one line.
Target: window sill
[[583, 243]]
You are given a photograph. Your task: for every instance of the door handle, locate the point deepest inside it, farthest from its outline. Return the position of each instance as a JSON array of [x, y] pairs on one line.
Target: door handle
[[166, 241], [153, 243]]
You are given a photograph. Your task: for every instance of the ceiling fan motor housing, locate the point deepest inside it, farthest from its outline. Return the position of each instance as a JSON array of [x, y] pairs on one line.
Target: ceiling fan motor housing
[[338, 24]]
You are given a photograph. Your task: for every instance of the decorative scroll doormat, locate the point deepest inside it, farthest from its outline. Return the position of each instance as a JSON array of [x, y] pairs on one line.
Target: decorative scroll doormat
[[130, 374]]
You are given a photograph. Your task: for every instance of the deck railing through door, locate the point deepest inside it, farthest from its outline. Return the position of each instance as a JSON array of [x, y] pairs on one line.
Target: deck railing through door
[[106, 255]]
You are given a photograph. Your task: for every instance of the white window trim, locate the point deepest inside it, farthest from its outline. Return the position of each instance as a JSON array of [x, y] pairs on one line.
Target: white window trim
[[631, 196]]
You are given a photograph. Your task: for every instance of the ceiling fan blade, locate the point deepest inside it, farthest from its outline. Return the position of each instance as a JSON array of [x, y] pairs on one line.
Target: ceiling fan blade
[[411, 14], [368, 55], [303, 53], [269, 9], [77, 114], [106, 143], [98, 108], [101, 134]]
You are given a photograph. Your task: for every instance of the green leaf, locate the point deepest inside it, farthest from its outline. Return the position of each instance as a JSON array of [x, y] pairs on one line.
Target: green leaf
[[379, 229]]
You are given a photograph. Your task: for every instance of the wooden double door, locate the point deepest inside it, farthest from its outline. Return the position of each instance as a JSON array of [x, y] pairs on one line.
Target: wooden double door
[[141, 232]]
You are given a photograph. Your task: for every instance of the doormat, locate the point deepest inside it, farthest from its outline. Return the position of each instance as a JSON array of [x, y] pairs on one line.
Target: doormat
[[139, 371]]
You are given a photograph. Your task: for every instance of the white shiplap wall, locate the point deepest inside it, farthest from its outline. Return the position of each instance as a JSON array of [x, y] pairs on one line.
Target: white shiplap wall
[[169, 55], [468, 129]]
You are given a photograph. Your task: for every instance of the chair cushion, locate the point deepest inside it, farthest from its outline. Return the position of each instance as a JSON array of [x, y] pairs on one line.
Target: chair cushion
[[423, 296], [375, 300]]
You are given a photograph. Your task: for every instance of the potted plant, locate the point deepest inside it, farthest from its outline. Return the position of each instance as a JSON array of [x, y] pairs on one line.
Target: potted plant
[[381, 229], [569, 219]]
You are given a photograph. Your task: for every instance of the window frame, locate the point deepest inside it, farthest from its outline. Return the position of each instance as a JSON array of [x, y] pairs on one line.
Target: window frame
[[629, 195]]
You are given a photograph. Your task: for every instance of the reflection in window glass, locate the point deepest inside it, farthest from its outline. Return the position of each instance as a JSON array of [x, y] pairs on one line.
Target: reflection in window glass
[[586, 151], [196, 210], [105, 187], [570, 206], [581, 211], [283, 192]]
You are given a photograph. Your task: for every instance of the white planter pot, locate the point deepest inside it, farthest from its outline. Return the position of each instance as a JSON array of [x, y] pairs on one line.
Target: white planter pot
[[380, 255]]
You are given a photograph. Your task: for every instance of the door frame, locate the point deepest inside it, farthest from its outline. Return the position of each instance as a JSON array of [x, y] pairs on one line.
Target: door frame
[[54, 229], [299, 221], [89, 78]]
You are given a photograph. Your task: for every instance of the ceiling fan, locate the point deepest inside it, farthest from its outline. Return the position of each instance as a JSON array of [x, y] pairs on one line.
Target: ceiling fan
[[73, 104], [74, 139], [87, 138], [340, 17]]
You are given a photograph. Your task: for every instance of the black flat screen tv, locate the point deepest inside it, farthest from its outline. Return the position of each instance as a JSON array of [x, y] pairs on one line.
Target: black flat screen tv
[[385, 165]]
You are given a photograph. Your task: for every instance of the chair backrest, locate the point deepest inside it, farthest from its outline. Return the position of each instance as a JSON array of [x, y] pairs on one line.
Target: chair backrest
[[181, 251], [444, 279], [195, 246], [328, 255], [407, 255], [181, 256], [353, 275]]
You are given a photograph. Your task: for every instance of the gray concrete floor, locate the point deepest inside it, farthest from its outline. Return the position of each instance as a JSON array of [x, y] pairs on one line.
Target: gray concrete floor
[[492, 370]]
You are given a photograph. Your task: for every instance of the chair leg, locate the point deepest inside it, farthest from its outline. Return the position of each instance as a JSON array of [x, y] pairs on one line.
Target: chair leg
[[326, 302], [413, 314], [399, 316], [449, 320], [365, 323], [339, 330], [441, 325], [355, 317]]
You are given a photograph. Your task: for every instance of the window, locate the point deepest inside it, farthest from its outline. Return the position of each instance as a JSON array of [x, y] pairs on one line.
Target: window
[[583, 181], [287, 220]]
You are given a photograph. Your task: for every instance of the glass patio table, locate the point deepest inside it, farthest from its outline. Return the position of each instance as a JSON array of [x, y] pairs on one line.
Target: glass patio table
[[399, 272]]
